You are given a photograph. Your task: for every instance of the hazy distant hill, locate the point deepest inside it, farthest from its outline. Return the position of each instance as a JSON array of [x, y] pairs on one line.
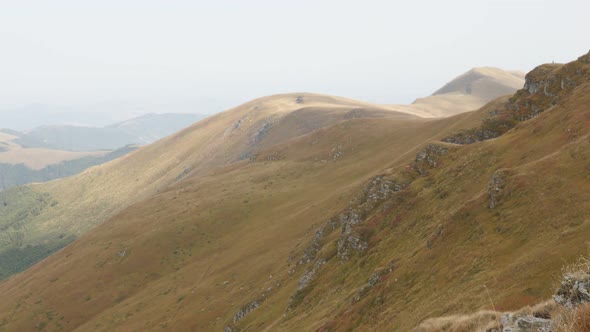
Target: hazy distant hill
[[466, 92], [37, 114], [18, 174], [141, 130]]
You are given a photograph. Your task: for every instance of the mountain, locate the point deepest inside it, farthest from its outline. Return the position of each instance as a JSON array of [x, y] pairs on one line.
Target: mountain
[[467, 92], [217, 225], [141, 130]]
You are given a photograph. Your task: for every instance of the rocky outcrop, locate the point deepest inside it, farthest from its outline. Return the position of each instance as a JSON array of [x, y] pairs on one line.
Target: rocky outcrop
[[251, 306], [375, 278], [351, 238], [428, 157], [316, 243], [245, 310], [484, 133], [545, 86], [574, 290], [309, 275], [261, 133], [336, 152], [525, 323], [495, 187]]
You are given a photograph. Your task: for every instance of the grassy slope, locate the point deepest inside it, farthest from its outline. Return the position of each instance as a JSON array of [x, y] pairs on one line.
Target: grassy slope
[[478, 257], [175, 250], [87, 199], [309, 182]]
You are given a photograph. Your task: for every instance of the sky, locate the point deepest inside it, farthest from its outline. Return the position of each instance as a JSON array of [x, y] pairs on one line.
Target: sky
[[112, 59]]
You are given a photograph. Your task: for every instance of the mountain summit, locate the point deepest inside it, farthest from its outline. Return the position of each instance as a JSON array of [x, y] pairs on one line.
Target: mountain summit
[[465, 93], [486, 83]]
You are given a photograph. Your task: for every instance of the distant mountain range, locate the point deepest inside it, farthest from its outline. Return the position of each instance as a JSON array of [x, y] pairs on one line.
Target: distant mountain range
[[141, 130], [53, 152]]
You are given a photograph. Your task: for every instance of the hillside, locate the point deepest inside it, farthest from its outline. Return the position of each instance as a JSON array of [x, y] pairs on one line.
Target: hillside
[[466, 92], [85, 200], [209, 224], [141, 130]]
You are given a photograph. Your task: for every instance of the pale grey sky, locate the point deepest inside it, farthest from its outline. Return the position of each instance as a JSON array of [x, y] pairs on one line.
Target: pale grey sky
[[132, 56]]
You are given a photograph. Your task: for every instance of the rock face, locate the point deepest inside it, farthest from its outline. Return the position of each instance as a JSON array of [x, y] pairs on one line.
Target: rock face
[[525, 323], [574, 290], [495, 187]]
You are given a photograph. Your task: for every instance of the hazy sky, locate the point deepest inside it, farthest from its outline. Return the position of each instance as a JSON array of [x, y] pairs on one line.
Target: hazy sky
[[133, 55]]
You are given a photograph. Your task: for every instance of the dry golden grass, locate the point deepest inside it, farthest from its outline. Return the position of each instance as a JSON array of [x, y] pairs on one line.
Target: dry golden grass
[[236, 222], [185, 253], [479, 321], [467, 92], [577, 320]]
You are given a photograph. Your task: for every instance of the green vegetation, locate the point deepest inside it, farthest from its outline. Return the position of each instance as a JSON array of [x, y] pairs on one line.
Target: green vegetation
[[15, 175], [18, 206], [14, 260]]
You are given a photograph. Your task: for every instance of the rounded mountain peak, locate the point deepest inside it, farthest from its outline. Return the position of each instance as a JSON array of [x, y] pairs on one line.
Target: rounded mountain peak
[[484, 82]]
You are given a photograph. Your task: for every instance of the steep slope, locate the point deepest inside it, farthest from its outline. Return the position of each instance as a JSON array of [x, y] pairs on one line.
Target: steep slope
[[141, 130], [81, 202], [467, 92], [338, 229]]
